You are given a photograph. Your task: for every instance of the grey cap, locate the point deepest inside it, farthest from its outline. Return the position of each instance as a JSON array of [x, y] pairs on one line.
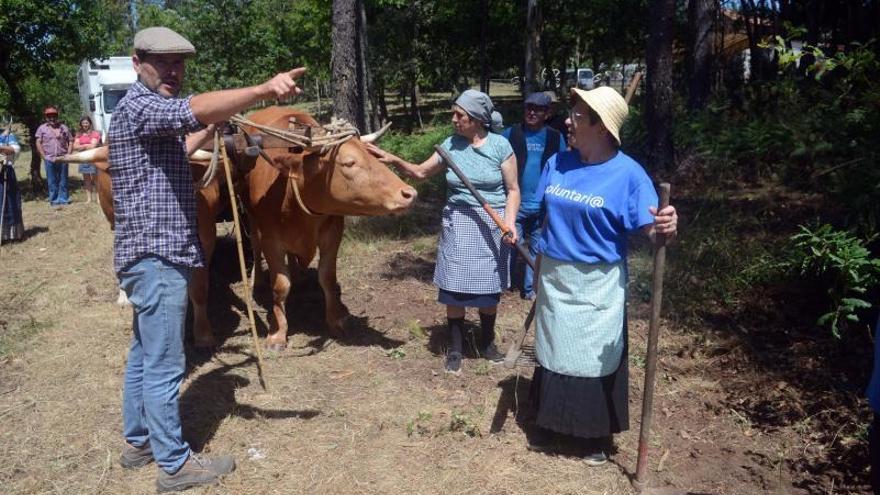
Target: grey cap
[[161, 40], [538, 99]]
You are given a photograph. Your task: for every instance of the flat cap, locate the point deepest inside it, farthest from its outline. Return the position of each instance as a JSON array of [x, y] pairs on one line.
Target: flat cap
[[161, 40], [538, 99]]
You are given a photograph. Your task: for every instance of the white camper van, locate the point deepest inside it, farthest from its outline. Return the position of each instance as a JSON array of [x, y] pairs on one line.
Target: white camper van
[[102, 83]]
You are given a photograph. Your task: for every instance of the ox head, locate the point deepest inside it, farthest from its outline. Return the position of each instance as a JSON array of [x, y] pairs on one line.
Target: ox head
[[343, 180]]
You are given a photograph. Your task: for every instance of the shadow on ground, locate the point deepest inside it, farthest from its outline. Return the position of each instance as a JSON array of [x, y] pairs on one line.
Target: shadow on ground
[[210, 399]]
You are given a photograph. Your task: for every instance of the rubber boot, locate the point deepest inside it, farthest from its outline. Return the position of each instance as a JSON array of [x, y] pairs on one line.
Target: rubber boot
[[487, 339], [453, 355]]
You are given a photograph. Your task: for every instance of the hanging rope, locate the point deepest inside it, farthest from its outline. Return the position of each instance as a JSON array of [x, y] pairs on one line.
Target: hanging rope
[[244, 276]]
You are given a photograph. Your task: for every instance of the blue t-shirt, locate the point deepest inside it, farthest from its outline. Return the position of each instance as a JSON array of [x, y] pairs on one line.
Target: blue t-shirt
[[481, 165], [591, 208], [531, 173]]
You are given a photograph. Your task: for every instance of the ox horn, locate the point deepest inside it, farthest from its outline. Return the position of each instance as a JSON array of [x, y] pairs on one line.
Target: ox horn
[[201, 155], [88, 156], [373, 137]]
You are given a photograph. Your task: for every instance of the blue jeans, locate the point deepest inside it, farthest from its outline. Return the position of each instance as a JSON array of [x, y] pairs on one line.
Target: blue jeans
[[157, 290], [528, 229], [56, 177]]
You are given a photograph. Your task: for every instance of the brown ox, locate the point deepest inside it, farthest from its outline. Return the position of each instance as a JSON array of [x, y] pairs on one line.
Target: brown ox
[[345, 180], [210, 202]]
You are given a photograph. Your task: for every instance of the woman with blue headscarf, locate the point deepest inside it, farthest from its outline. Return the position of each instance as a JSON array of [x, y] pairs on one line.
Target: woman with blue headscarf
[[471, 270], [11, 225]]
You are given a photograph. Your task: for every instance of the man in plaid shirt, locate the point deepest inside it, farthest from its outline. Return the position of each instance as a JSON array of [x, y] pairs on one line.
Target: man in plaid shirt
[[157, 245]]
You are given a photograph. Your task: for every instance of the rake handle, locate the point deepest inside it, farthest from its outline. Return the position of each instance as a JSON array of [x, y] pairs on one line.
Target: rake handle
[[505, 232], [641, 478]]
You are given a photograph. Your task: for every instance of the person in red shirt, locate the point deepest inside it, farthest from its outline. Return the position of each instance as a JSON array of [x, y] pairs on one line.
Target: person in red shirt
[[53, 141]]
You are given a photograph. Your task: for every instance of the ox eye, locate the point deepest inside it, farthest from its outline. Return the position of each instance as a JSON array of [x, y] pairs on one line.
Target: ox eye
[[348, 162]]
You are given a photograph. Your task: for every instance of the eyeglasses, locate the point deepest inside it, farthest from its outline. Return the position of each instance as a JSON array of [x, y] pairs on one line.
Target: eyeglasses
[[535, 109], [574, 115]]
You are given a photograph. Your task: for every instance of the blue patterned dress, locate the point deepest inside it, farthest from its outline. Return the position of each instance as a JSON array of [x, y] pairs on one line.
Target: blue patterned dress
[[12, 224]]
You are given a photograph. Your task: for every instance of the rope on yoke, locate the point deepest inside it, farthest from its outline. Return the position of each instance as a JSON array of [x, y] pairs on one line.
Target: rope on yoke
[[244, 276], [329, 136]]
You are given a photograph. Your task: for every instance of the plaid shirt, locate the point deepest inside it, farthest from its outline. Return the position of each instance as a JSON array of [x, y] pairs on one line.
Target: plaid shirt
[[153, 196]]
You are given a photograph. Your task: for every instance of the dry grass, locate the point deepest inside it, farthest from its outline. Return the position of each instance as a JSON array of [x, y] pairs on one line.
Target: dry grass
[[370, 414]]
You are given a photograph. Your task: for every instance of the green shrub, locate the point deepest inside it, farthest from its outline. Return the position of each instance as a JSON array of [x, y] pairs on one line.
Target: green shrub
[[840, 262]]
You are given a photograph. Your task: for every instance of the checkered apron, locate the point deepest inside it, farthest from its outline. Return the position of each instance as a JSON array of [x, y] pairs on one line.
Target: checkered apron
[[579, 317], [471, 257]]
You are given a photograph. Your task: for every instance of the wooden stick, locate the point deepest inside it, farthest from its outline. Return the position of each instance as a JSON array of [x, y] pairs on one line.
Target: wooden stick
[[641, 478], [244, 276], [633, 85]]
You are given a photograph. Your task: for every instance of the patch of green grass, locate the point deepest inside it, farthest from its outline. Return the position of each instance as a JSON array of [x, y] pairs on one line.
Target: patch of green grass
[[637, 360], [464, 423], [414, 327], [424, 245], [14, 334], [420, 425], [482, 368], [396, 353]]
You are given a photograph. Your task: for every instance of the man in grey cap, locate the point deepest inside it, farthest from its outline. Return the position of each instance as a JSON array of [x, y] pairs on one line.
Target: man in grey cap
[[156, 244], [533, 144]]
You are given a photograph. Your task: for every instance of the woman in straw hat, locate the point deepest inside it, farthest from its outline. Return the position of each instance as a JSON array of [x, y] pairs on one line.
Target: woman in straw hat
[[594, 196], [471, 269]]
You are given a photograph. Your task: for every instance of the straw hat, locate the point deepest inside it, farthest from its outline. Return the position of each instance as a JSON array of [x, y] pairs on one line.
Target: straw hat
[[608, 104]]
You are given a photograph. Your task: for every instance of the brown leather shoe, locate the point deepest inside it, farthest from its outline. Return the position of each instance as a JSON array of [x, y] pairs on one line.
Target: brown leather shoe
[[134, 457], [196, 471]]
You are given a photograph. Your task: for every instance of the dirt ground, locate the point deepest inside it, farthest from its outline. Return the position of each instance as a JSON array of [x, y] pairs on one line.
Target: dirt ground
[[372, 412]]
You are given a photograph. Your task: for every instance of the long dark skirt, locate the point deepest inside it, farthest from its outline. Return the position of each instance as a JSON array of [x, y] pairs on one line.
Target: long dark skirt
[[13, 227], [583, 407]]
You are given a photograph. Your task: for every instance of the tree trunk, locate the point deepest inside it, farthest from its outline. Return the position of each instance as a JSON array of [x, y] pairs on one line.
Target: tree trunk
[[659, 81], [344, 58], [484, 48], [701, 14], [371, 114], [414, 97], [380, 94], [533, 47]]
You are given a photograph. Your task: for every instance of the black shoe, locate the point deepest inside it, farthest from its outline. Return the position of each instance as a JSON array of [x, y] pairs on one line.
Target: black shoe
[[540, 440], [453, 363], [492, 354], [596, 458]]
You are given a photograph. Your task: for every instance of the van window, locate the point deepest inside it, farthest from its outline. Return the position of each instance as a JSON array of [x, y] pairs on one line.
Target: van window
[[111, 98]]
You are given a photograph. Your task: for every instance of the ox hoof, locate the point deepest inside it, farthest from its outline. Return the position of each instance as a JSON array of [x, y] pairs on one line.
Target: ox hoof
[[276, 348], [339, 326]]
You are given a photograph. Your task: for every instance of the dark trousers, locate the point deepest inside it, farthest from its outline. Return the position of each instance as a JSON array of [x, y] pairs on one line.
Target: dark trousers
[[874, 449]]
